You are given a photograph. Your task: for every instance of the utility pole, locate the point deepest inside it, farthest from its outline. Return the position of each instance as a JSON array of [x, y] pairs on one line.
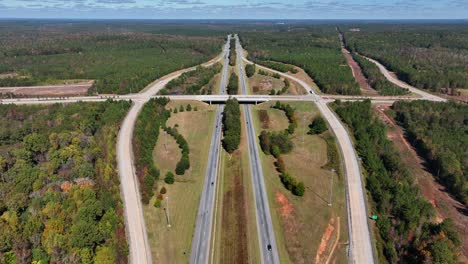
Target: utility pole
[[167, 212], [330, 200]]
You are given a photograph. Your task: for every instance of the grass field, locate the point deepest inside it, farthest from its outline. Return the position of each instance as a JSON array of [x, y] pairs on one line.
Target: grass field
[[172, 245], [301, 223], [236, 238]]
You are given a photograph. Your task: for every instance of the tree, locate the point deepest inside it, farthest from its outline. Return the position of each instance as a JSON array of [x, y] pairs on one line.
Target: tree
[[104, 255], [181, 108], [299, 189], [169, 179], [231, 125], [182, 165], [189, 108], [233, 84], [250, 70], [318, 126]]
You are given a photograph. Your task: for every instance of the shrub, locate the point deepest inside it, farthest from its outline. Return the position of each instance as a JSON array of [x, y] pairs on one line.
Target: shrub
[[250, 70], [189, 108], [163, 190], [157, 203], [181, 108], [318, 126], [195, 109], [169, 179], [182, 165]]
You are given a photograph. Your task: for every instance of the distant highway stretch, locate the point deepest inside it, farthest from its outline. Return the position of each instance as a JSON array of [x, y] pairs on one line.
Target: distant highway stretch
[[201, 241], [266, 234]]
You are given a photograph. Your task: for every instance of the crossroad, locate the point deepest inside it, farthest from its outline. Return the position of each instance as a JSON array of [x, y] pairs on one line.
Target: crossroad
[[361, 250]]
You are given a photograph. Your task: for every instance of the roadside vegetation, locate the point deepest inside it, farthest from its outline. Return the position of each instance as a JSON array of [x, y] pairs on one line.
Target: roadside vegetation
[[232, 52], [405, 226], [177, 197], [376, 79], [231, 125], [438, 132], [59, 187], [277, 143], [432, 57], [233, 84], [119, 56], [193, 82], [315, 49], [153, 116], [250, 70]]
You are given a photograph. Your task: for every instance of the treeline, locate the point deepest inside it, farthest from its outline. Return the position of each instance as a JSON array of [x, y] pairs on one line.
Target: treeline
[[184, 162], [316, 50], [376, 79], [405, 228], [278, 66], [233, 84], [277, 143], [120, 59], [231, 125], [153, 116], [59, 187], [193, 82], [438, 131], [232, 52], [431, 57]]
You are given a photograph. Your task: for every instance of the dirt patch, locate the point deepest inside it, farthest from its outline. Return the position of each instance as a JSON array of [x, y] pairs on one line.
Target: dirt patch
[[358, 75], [234, 215], [292, 228], [47, 90], [264, 118], [434, 192]]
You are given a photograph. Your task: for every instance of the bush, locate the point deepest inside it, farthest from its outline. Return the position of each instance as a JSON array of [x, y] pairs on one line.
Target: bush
[[157, 203], [182, 165], [250, 70], [195, 109], [318, 126], [163, 190], [181, 108], [189, 108], [169, 179], [276, 75]]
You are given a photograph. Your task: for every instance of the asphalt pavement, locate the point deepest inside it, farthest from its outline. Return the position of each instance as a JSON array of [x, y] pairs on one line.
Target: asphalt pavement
[[201, 242], [266, 234]]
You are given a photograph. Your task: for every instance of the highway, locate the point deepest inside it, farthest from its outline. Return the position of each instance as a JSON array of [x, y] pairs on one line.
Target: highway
[[266, 234], [201, 241], [359, 235]]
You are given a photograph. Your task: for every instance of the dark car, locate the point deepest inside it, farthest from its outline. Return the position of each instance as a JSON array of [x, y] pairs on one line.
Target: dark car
[[269, 247]]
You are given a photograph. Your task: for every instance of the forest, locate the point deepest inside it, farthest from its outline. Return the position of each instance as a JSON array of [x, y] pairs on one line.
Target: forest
[[121, 57], [406, 230], [152, 117], [438, 131], [193, 82], [376, 79], [315, 49], [231, 125], [59, 187], [432, 57]]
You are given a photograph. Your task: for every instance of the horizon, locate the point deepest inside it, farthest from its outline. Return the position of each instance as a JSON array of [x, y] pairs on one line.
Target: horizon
[[227, 10]]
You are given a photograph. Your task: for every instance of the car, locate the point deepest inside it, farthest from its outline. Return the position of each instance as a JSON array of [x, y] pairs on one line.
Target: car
[[311, 92], [269, 247]]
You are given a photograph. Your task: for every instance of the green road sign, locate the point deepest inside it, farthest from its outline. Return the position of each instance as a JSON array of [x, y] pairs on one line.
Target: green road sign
[[374, 217]]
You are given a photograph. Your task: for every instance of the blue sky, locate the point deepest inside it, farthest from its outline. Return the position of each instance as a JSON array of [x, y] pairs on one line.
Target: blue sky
[[225, 9]]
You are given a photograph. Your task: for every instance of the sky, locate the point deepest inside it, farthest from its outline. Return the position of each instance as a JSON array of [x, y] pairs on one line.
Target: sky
[[225, 9]]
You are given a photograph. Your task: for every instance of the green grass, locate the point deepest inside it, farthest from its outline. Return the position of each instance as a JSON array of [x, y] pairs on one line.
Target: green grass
[[169, 244]]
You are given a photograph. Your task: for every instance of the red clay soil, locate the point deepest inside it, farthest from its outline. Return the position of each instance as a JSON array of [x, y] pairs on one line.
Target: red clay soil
[[445, 205], [47, 90], [234, 219], [321, 256], [292, 228], [358, 75]]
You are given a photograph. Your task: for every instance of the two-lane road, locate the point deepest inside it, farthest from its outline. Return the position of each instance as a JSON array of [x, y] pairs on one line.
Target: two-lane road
[[266, 234], [201, 241]]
